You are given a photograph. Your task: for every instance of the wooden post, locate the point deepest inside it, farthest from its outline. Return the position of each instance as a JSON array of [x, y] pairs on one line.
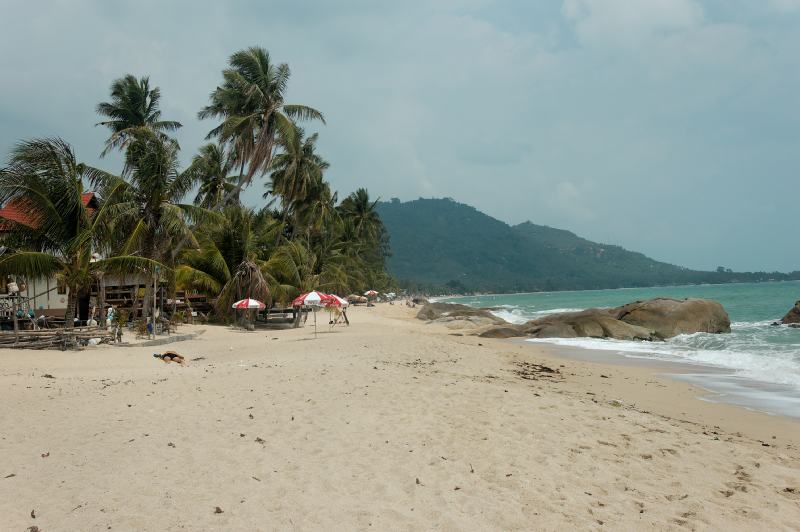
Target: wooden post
[[101, 296], [155, 299], [16, 322]]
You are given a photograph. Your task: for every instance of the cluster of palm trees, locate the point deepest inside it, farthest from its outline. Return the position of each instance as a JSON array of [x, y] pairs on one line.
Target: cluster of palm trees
[[302, 238]]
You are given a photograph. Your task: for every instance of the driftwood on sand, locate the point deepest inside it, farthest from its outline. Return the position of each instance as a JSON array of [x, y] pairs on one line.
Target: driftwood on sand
[[54, 338]]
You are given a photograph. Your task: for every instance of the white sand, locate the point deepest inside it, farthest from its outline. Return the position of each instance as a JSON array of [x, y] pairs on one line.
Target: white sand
[[351, 421]]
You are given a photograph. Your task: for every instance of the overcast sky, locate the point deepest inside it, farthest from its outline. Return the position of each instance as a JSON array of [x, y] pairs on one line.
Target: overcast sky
[[670, 127]]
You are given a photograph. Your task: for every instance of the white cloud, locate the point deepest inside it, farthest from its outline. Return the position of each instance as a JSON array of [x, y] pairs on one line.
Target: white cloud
[[785, 5], [615, 22]]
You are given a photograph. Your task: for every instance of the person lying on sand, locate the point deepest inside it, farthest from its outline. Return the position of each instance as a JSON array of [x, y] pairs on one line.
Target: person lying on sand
[[171, 356]]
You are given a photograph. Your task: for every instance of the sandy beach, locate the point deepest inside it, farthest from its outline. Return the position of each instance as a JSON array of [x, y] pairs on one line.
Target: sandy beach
[[389, 424]]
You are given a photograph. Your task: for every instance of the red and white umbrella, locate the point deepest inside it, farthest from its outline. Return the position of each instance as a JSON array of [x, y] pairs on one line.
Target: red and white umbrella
[[336, 301], [248, 303], [313, 298], [370, 293]]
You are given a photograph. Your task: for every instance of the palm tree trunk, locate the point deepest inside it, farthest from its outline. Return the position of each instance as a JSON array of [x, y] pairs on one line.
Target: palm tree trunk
[[283, 223], [147, 299], [72, 300]]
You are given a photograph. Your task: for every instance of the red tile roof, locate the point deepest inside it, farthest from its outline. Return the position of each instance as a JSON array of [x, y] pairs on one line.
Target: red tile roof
[[15, 211]]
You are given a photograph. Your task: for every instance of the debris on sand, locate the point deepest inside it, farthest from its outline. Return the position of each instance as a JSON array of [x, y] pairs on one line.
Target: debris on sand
[[47, 376], [218, 510], [45, 455], [531, 371]]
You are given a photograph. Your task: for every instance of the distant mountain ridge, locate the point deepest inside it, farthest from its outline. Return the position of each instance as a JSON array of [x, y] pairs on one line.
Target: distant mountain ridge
[[443, 244]]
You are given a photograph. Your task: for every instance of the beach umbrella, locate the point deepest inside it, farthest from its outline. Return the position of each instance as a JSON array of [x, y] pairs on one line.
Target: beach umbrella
[[336, 301], [313, 299], [249, 304]]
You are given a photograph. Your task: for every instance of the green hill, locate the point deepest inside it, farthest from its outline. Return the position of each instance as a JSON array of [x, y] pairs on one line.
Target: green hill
[[441, 244]]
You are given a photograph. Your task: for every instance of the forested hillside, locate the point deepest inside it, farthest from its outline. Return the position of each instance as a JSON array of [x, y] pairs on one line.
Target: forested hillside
[[439, 244]]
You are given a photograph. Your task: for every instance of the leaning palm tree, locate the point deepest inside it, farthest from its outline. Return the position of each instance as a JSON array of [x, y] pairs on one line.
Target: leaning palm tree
[[250, 103], [210, 169], [61, 233], [134, 105]]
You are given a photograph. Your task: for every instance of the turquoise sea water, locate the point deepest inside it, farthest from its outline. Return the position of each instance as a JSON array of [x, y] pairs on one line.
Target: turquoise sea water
[[754, 349]]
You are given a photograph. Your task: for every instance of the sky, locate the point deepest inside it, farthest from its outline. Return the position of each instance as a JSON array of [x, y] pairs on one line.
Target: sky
[[670, 127]]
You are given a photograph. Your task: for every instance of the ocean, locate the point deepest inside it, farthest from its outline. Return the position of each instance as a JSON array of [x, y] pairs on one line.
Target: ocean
[[761, 362]]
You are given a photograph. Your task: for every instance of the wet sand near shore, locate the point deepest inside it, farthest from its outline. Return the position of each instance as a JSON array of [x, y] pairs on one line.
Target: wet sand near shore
[[388, 424]]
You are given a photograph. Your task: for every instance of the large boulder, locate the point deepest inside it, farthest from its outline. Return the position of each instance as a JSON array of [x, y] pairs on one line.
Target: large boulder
[[503, 331], [655, 319], [793, 316], [670, 317], [450, 312], [591, 323]]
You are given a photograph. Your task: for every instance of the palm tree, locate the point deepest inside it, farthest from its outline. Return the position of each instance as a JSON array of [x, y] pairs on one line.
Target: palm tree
[[250, 103], [358, 208], [296, 171], [45, 179], [149, 209], [226, 264], [210, 168], [295, 268], [134, 105]]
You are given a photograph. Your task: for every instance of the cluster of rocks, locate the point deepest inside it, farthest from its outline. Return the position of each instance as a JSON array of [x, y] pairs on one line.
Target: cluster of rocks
[[792, 318], [456, 316], [653, 319]]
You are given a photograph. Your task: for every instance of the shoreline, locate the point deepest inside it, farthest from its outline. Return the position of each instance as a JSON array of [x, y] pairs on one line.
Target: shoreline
[[390, 423], [721, 385], [748, 368]]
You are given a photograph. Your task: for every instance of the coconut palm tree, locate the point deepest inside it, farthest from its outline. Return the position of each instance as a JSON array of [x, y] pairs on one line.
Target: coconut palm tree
[[296, 171], [149, 210], [250, 103], [134, 105], [358, 208], [61, 233], [210, 169], [226, 264]]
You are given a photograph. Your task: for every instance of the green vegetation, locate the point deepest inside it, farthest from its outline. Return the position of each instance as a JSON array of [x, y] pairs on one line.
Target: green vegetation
[[140, 221], [439, 246]]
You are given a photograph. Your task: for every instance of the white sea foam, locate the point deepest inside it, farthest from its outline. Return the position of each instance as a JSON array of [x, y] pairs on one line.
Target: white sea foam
[[741, 356], [517, 315]]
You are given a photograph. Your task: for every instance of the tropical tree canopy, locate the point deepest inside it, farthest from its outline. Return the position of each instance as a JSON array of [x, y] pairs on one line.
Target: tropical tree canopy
[[250, 103], [62, 232], [210, 168], [133, 106], [139, 220]]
